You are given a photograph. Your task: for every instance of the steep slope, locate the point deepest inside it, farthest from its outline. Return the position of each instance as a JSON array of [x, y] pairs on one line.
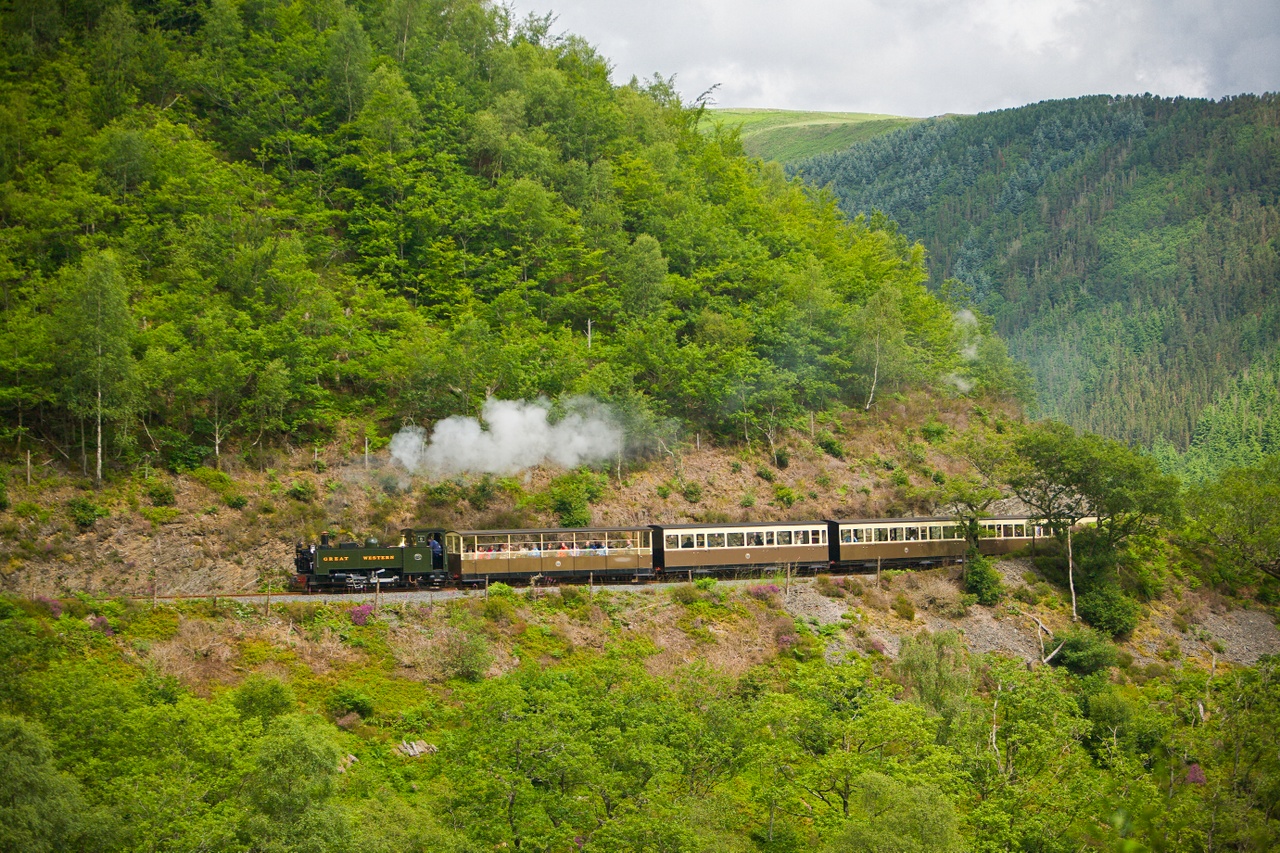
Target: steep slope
[[242, 227], [1127, 247]]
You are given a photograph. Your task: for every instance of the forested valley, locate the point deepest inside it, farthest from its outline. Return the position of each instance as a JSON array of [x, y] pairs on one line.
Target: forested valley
[[1126, 247], [246, 243]]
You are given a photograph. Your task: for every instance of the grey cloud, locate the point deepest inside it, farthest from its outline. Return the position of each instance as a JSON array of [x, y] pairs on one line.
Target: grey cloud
[[926, 57]]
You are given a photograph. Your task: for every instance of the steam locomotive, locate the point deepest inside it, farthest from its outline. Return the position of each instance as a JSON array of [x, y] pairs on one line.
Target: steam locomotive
[[437, 557]]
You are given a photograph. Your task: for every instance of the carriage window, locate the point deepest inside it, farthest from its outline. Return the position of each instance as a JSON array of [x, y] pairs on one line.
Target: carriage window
[[768, 537], [686, 541], [1020, 530], [737, 540], [912, 534], [801, 537], [818, 537], [673, 541], [756, 539], [846, 536], [895, 534], [784, 537], [715, 540], [702, 540], [882, 534], [935, 532]]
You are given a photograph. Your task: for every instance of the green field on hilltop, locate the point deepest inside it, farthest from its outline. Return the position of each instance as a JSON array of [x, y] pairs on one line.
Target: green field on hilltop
[[789, 135]]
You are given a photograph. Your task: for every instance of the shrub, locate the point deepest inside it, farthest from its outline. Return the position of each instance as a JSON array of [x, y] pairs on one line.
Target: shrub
[[1084, 651], [903, 607], [982, 580], [4, 493], [748, 500], [1026, 595], [933, 431], [569, 497], [499, 609], [830, 445], [161, 494], [159, 515], [705, 584], [101, 624], [764, 592], [302, 490], [441, 494], [1109, 610], [692, 492], [829, 587], [764, 474], [264, 698], [782, 458], [498, 589], [684, 593], [360, 614], [85, 512], [466, 654], [235, 500], [784, 496], [51, 604], [663, 490], [348, 700]]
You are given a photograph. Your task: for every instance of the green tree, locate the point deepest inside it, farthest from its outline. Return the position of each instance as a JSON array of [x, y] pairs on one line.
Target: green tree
[[1236, 516], [95, 331], [40, 808]]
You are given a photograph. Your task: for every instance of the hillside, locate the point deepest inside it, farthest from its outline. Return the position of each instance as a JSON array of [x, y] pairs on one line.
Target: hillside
[[249, 228], [1126, 247], [822, 715], [788, 136]]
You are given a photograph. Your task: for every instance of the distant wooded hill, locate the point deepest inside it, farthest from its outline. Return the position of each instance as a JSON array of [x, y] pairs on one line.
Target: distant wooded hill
[[790, 135], [1125, 246]]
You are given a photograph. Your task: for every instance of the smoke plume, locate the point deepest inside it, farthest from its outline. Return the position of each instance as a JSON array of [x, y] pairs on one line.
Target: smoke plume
[[508, 437]]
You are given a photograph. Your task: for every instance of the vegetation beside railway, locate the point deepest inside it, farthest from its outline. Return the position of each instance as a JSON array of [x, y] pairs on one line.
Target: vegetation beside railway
[[781, 715]]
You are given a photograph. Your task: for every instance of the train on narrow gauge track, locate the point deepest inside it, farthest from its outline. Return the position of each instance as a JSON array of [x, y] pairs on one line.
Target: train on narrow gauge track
[[437, 557]]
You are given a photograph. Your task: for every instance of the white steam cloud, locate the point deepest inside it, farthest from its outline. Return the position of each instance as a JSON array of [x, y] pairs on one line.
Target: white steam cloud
[[967, 328], [508, 437]]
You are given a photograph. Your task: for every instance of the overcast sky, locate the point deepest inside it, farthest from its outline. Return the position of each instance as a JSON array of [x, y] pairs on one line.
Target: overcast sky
[[927, 57]]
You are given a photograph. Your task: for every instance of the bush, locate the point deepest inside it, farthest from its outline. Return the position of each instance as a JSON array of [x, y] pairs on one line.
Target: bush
[[161, 494], [830, 445], [663, 490], [784, 496], [705, 584], [302, 490], [360, 614], [825, 585], [498, 589], [764, 592], [264, 698], [1109, 610], [748, 500], [466, 654], [782, 458], [982, 580], [85, 512], [235, 500], [1084, 651], [903, 607], [764, 474], [348, 700], [569, 497], [4, 493], [692, 492], [933, 431]]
